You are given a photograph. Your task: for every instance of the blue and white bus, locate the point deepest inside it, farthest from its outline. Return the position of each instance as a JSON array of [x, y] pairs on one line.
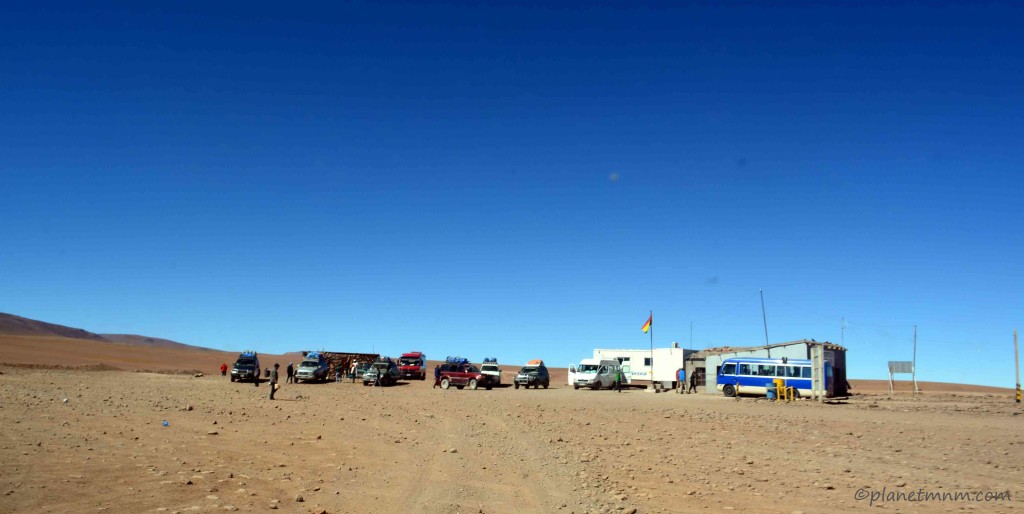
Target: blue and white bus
[[751, 375]]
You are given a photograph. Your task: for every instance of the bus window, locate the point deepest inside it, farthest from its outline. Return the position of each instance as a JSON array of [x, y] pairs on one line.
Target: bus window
[[793, 371], [744, 369], [806, 371], [765, 371], [729, 369]]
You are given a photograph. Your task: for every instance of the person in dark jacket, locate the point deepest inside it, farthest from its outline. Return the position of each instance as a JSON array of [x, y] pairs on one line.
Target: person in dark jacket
[[273, 380], [437, 376], [291, 374], [693, 383]]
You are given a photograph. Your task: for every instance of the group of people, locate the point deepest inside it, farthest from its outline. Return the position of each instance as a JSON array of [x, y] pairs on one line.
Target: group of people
[[681, 382]]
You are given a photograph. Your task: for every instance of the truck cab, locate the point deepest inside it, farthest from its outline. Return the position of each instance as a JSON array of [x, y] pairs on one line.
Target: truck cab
[[413, 365], [313, 367]]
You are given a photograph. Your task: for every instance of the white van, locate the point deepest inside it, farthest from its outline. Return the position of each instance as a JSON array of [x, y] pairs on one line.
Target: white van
[[594, 373]]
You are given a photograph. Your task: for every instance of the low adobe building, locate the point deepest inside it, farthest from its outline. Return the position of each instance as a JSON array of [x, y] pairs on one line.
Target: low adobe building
[[706, 363]]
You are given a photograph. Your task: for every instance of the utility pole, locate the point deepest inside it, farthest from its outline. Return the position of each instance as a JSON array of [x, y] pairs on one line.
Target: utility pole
[[914, 374], [765, 318], [842, 337], [1016, 362]]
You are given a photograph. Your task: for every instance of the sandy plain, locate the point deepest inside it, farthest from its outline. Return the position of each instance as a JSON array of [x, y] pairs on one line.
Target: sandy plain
[[411, 448]]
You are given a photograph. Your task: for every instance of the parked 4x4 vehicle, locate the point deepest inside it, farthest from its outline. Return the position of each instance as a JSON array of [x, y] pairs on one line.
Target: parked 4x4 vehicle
[[535, 374], [458, 372], [247, 367], [362, 368], [383, 371], [313, 367], [491, 369]]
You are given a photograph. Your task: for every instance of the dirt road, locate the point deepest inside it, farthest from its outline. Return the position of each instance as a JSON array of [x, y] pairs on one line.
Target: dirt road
[[410, 448]]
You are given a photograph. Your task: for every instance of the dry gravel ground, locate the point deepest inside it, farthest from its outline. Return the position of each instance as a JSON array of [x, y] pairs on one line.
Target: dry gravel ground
[[410, 448]]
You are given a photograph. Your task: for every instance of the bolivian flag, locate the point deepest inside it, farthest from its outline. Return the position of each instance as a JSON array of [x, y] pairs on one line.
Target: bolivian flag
[[647, 326]]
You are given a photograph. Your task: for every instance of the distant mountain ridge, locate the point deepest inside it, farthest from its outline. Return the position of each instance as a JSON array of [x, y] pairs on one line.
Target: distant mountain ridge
[[137, 340], [19, 326]]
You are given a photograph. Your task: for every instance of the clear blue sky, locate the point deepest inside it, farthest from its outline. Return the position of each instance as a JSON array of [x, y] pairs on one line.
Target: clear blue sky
[[520, 182]]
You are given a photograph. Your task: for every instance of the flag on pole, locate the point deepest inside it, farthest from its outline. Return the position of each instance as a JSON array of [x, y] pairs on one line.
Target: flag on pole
[[647, 326]]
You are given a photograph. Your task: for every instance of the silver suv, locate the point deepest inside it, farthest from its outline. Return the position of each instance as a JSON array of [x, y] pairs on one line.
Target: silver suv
[[313, 367]]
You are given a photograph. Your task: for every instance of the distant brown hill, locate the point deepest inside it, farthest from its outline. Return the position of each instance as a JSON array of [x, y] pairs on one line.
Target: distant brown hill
[[155, 342], [19, 326]]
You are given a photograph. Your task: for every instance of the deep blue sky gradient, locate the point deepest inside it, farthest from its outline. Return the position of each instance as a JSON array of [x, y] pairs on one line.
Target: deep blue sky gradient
[[520, 181]]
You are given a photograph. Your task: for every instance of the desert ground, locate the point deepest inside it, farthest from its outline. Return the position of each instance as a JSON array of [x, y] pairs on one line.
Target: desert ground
[[94, 426]]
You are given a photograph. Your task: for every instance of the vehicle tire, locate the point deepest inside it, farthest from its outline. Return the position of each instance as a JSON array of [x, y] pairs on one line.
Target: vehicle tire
[[487, 388], [546, 385], [729, 390], [796, 394], [516, 385], [232, 378], [445, 383], [472, 384], [461, 387], [576, 387]]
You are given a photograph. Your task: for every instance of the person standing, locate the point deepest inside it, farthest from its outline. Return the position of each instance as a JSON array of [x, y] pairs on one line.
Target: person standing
[[437, 376], [693, 383], [680, 381], [618, 380], [273, 380], [224, 369], [290, 371]]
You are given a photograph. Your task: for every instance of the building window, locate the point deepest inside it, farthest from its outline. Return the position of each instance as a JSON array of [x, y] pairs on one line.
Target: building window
[[647, 361]]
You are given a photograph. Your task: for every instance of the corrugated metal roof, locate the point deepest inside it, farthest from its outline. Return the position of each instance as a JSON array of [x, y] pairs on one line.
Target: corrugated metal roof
[[718, 350]]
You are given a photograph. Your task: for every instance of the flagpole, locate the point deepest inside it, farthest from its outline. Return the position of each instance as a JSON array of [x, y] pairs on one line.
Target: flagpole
[[652, 347]]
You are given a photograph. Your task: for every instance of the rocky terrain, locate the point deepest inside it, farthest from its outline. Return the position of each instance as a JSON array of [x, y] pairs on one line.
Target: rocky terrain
[[95, 441]]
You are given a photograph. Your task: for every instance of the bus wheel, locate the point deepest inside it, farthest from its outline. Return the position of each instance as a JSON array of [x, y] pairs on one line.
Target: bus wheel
[[729, 390], [796, 394]]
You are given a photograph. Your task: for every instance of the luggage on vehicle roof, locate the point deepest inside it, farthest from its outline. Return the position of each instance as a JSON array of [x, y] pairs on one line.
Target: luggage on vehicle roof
[[457, 360]]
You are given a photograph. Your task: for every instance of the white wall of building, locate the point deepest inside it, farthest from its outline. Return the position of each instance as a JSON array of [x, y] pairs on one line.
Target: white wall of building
[[666, 362]]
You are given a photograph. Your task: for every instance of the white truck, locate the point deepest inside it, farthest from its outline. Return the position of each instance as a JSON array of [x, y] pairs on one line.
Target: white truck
[[596, 374], [490, 367]]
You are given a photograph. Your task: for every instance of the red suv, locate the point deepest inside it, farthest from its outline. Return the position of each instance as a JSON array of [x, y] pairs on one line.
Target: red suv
[[459, 373]]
